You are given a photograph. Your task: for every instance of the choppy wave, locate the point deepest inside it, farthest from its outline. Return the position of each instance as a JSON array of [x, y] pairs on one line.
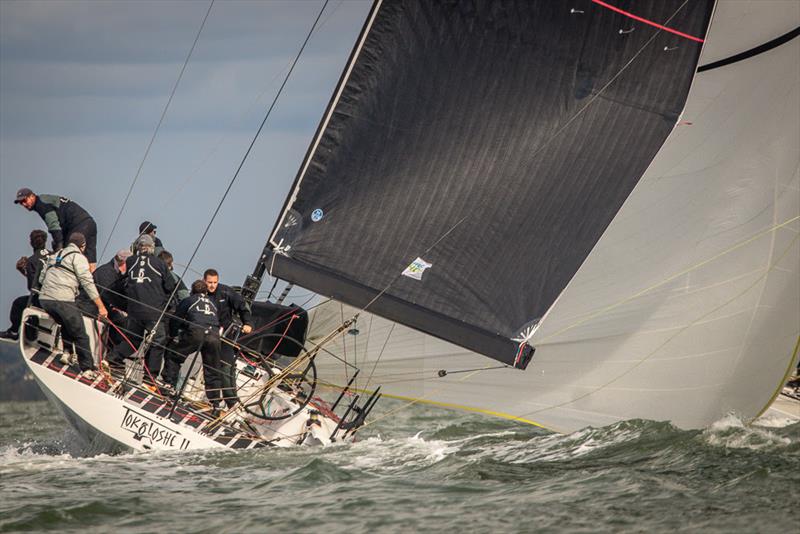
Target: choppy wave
[[429, 470]]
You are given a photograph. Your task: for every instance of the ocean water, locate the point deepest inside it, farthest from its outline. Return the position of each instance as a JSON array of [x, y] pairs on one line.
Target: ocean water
[[426, 470]]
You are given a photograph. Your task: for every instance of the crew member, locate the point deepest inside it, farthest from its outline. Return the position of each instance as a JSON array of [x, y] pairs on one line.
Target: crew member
[[68, 270], [30, 267], [200, 332], [228, 302], [182, 291], [149, 228], [110, 281], [62, 217], [148, 285]]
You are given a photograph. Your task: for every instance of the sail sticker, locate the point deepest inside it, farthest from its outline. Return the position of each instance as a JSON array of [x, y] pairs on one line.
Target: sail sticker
[[317, 215], [416, 268]]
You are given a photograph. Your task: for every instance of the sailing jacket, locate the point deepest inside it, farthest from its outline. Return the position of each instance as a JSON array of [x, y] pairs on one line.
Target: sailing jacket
[[67, 271], [111, 285], [227, 302], [198, 310], [148, 284], [33, 269], [61, 215]]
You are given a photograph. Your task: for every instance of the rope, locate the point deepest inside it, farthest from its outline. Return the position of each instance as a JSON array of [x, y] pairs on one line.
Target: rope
[[378, 359], [169, 199], [244, 159], [155, 132]]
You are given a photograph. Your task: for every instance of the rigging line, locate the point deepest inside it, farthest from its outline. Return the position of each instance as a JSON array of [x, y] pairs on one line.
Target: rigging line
[[366, 345], [676, 334], [329, 353], [646, 21], [414, 401], [166, 346], [670, 278], [246, 154], [375, 365], [606, 86], [284, 317], [246, 113], [155, 132], [344, 342], [397, 277]]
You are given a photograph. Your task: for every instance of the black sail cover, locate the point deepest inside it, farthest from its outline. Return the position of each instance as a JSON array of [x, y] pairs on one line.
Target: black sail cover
[[494, 141]]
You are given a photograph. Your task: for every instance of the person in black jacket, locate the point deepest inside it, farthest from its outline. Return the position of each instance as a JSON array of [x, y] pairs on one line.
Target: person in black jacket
[[199, 332], [229, 303], [110, 281], [63, 217], [150, 229], [30, 267], [148, 286]]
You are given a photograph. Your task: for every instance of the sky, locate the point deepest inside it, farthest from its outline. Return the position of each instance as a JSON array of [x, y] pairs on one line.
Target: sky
[[82, 87]]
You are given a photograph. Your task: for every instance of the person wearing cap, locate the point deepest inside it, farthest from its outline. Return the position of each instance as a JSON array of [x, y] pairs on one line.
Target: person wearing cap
[[148, 286], [63, 217], [30, 267], [150, 229], [67, 271]]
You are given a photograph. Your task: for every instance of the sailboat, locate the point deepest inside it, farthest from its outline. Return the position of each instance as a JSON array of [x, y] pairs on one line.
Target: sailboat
[[561, 213]]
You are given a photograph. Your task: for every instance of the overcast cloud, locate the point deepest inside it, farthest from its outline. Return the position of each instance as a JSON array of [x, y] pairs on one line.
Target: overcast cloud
[[82, 85]]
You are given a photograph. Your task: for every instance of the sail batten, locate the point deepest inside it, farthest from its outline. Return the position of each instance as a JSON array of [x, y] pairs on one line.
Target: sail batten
[[528, 122]]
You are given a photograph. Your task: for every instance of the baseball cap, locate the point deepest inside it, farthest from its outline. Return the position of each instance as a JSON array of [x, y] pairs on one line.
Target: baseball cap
[[22, 194]]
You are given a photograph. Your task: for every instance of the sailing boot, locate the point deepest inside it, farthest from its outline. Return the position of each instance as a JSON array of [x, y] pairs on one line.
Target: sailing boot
[[9, 334]]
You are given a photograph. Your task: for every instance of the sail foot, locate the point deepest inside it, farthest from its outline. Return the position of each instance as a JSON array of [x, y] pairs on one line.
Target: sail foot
[[490, 344]]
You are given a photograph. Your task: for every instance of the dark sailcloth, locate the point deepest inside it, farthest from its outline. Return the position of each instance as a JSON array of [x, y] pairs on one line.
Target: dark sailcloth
[[492, 140]]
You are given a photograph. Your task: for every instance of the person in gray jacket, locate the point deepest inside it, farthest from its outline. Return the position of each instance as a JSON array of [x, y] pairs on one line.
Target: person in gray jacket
[[66, 272]]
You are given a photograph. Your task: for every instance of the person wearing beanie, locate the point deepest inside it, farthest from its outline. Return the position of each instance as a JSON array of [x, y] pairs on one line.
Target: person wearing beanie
[[148, 228], [148, 286]]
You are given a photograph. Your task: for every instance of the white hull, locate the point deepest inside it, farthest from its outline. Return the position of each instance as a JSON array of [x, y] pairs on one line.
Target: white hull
[[112, 416]]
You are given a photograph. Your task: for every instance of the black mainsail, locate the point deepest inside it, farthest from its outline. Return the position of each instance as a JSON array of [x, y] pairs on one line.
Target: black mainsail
[[488, 144]]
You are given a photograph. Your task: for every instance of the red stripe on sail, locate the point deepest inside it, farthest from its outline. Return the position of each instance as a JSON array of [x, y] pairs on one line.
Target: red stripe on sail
[[650, 22]]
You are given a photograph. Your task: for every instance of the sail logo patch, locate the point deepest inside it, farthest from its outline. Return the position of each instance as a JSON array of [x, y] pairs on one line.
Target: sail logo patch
[[317, 215], [416, 268]]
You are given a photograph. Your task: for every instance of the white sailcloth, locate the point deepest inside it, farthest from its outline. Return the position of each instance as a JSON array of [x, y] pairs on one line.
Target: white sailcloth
[[688, 307]]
